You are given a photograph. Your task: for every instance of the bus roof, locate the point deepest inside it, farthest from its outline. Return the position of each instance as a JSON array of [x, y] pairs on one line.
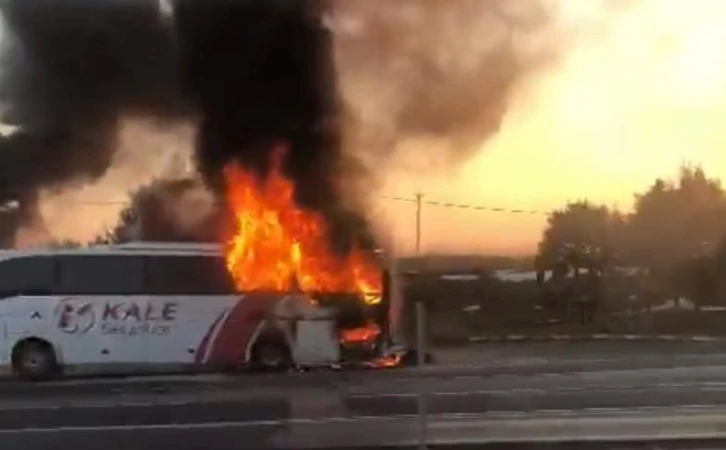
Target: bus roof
[[136, 248]]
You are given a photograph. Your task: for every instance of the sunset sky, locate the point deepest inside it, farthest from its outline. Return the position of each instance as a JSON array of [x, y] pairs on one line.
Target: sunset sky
[[630, 89], [636, 91]]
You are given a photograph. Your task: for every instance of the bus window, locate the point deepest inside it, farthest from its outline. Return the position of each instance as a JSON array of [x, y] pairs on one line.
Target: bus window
[[189, 275], [100, 274], [27, 275]]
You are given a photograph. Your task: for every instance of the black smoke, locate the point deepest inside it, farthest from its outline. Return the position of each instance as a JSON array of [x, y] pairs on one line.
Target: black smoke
[[79, 67], [262, 73], [71, 69], [252, 73], [435, 73], [255, 73]]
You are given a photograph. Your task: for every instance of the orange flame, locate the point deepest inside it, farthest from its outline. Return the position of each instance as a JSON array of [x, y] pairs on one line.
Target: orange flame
[[360, 334], [277, 245]]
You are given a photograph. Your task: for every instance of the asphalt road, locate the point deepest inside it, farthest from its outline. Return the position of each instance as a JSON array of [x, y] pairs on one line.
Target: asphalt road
[[526, 352], [376, 408], [489, 360]]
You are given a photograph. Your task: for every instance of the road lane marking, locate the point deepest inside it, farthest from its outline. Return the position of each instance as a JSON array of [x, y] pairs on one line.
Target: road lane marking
[[353, 419], [333, 398], [316, 403], [704, 387], [602, 409], [179, 403], [206, 425]]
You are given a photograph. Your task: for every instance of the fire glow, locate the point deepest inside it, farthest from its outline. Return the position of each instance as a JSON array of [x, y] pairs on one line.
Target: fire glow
[[279, 246]]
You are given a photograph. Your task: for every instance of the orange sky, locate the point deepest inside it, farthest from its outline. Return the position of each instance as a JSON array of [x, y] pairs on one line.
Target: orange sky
[[636, 92]]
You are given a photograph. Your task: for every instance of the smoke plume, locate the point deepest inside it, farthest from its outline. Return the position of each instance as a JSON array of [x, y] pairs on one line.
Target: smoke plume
[[73, 70], [146, 153], [253, 72], [344, 86], [429, 81], [637, 88], [262, 73]]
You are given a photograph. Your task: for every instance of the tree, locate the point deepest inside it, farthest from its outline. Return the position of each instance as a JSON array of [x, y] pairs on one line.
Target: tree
[[580, 235], [695, 278], [124, 230], [676, 231], [674, 221], [64, 244]]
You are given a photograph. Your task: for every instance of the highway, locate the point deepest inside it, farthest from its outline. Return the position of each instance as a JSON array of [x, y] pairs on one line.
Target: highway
[[684, 395], [478, 360]]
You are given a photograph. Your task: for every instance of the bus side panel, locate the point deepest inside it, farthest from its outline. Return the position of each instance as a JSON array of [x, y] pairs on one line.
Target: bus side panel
[[102, 330], [123, 332], [24, 317], [228, 340], [106, 333], [198, 320], [134, 333]]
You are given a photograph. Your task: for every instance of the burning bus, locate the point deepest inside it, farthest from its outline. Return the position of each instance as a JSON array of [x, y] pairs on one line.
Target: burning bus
[[272, 294], [144, 307]]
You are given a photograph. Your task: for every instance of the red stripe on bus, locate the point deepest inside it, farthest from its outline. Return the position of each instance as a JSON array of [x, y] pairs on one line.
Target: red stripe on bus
[[202, 348], [235, 333]]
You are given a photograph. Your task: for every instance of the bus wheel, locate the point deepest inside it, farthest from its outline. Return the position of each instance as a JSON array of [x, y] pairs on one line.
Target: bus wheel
[[34, 359], [271, 354]]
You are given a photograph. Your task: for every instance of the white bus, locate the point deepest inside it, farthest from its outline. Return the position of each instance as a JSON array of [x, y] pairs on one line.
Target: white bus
[[146, 307]]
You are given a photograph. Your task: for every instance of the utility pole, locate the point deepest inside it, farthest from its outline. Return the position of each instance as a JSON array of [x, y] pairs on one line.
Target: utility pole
[[419, 197], [422, 404]]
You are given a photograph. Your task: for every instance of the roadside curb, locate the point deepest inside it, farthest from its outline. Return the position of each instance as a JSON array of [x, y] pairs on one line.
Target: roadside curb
[[597, 337]]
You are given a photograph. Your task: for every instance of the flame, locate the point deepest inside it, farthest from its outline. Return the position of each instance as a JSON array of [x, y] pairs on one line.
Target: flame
[[360, 334], [279, 246], [368, 333], [386, 361]]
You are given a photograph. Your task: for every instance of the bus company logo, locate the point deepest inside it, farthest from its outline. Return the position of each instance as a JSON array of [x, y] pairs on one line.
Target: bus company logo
[[75, 317]]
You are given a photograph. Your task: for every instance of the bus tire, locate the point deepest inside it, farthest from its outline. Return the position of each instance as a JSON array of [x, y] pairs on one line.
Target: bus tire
[[34, 360], [271, 354]]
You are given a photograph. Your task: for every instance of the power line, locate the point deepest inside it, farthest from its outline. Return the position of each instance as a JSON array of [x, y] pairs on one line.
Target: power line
[[400, 199], [418, 200], [466, 206]]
